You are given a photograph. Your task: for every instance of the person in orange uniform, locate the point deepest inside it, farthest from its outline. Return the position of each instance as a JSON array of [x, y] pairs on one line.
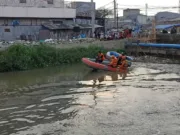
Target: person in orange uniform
[[100, 58], [113, 62], [123, 67], [120, 59]]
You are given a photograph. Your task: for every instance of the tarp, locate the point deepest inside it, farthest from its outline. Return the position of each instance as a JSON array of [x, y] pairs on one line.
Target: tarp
[[174, 46], [167, 26]]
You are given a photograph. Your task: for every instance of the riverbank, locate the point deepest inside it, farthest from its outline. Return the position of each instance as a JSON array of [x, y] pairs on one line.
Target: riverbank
[[111, 44], [69, 44], [23, 57]]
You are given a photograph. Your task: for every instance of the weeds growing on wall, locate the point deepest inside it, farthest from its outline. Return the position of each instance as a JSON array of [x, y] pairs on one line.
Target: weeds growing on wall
[[21, 57]]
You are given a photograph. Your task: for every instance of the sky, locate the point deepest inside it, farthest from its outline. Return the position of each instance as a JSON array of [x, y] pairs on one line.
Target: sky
[[139, 4]]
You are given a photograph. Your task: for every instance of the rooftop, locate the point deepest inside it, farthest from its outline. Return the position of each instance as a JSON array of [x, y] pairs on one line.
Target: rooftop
[[167, 26], [131, 9]]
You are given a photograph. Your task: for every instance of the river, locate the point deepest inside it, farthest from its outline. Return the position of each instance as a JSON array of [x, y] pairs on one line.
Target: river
[[72, 100]]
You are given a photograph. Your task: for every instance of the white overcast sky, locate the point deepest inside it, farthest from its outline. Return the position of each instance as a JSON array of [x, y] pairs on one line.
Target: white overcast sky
[[139, 4]]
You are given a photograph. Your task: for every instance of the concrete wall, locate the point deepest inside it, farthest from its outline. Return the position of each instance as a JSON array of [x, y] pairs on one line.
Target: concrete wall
[[84, 21], [112, 44], [124, 23], [128, 12], [15, 32], [83, 8], [30, 21], [35, 12], [32, 3], [10, 33], [140, 51], [142, 19]]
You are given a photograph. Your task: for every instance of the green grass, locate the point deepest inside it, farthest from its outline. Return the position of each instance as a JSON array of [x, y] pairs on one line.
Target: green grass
[[21, 57]]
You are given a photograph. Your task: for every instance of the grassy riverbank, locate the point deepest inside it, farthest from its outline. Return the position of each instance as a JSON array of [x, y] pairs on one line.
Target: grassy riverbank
[[21, 57]]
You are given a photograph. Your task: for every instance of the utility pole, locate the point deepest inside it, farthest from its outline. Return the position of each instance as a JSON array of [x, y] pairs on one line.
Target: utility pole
[[146, 12], [117, 17], [146, 9], [179, 6], [115, 13], [154, 29], [104, 20], [92, 16]]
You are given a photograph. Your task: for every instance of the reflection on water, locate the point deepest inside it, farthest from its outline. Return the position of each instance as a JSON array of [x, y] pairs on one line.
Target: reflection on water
[[29, 80], [100, 78], [77, 101]]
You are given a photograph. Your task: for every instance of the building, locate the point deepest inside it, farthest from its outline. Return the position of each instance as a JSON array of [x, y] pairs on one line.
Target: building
[[150, 19], [83, 9], [24, 18], [142, 19], [83, 16], [131, 18], [130, 12], [165, 16], [81, 24], [171, 22]]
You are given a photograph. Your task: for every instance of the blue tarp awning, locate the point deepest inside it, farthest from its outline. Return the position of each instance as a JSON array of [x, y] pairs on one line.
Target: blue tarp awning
[[167, 26]]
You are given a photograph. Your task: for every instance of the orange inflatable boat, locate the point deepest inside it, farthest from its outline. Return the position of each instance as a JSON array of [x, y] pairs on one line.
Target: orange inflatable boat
[[101, 66]]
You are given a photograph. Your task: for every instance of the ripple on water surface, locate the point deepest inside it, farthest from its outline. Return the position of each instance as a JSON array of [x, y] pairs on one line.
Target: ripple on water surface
[[101, 105]]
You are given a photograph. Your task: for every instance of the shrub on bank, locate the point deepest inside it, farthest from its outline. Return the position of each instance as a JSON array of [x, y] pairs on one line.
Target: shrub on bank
[[21, 57]]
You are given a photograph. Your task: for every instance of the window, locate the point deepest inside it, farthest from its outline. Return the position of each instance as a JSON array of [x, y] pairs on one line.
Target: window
[[7, 30], [50, 1], [22, 1]]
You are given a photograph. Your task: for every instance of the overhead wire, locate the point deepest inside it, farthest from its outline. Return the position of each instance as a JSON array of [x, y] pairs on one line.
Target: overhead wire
[[151, 8], [105, 5]]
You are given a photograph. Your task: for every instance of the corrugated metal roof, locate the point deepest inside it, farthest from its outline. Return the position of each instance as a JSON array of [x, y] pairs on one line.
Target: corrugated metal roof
[[98, 26], [85, 26], [69, 26], [167, 26], [57, 26]]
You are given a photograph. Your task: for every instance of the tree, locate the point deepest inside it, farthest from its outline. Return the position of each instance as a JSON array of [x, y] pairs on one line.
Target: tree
[[103, 13]]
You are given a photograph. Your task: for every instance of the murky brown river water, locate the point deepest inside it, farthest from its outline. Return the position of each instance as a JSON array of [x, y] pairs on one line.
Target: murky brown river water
[[75, 101]]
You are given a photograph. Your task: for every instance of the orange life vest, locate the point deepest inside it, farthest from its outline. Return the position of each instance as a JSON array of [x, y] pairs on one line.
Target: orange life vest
[[114, 62], [124, 66], [101, 56]]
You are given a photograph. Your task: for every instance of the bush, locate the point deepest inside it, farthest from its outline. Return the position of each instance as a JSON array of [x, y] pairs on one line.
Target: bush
[[21, 57]]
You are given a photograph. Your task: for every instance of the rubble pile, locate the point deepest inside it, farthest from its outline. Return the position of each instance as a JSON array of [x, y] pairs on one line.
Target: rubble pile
[[5, 44]]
